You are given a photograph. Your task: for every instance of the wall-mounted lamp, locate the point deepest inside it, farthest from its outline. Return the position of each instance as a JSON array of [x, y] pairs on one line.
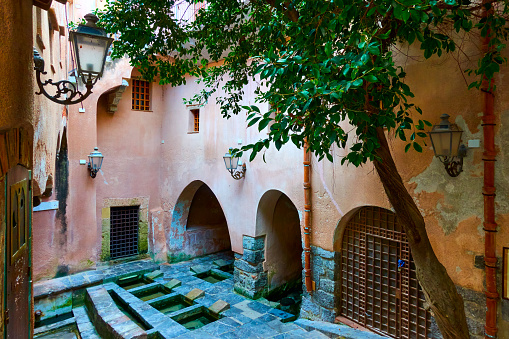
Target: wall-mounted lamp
[[231, 164], [95, 161], [445, 139], [90, 44]]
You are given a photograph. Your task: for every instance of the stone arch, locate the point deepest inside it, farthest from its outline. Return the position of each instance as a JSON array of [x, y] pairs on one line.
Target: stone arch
[[277, 217], [198, 224]]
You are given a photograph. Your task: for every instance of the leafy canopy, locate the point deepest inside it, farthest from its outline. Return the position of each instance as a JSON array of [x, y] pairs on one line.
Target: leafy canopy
[[316, 62]]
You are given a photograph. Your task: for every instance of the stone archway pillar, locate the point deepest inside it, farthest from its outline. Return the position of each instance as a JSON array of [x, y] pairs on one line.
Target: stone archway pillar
[[249, 275]]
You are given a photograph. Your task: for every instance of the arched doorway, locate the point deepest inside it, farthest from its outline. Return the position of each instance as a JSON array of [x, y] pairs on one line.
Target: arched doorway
[[278, 218], [379, 287], [198, 224]]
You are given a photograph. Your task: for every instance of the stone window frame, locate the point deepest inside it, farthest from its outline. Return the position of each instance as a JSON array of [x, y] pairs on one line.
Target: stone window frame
[[142, 225], [193, 124]]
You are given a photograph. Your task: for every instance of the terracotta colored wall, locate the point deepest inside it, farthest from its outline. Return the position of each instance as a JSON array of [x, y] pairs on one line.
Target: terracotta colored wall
[[138, 163], [50, 121], [16, 104]]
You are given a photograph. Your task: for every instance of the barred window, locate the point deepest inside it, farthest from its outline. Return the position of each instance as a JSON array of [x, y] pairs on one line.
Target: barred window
[[196, 120], [141, 95]]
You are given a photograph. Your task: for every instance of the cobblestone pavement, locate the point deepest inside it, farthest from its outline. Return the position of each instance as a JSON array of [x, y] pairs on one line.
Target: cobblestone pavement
[[206, 283]]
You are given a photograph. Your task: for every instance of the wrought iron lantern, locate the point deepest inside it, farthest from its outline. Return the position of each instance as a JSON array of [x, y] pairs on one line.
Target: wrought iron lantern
[[95, 161], [231, 162], [445, 139], [90, 44]]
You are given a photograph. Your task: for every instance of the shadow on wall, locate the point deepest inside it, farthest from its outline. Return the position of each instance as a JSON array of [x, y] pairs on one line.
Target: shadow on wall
[[278, 219], [198, 224]]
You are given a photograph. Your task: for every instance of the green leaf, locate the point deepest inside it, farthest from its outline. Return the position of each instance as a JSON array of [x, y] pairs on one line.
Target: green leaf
[[263, 123], [417, 147], [407, 147], [357, 83], [252, 122]]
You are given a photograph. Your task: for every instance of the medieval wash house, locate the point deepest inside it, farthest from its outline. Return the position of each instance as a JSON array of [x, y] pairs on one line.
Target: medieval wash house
[[163, 193]]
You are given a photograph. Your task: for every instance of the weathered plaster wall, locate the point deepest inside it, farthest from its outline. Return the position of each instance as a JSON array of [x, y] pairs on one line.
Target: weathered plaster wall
[[83, 213], [198, 156], [16, 103], [50, 117]]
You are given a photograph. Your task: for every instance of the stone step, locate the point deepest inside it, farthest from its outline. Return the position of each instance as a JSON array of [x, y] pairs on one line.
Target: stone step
[[334, 330]]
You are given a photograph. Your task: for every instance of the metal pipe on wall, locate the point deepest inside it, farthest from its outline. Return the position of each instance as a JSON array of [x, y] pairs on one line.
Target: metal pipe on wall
[[488, 191], [307, 217]]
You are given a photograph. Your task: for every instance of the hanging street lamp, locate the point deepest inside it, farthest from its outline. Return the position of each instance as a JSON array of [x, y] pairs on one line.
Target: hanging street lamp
[[231, 162], [90, 45], [95, 161], [446, 141]]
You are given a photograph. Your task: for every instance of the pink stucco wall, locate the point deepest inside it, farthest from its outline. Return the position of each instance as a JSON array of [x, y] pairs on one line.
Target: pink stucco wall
[[151, 154]]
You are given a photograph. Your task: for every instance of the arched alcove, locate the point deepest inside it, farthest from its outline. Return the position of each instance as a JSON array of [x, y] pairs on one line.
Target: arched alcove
[[278, 218], [198, 224]]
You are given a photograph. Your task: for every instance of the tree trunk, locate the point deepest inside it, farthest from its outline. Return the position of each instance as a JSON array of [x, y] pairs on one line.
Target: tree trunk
[[440, 292]]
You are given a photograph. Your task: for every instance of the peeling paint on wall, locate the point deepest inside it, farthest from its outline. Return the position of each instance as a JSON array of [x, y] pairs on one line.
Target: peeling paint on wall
[[465, 188]]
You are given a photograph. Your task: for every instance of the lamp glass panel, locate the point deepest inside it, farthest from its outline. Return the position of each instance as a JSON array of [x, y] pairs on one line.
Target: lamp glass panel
[[456, 139], [91, 52], [441, 143], [235, 162], [95, 161], [227, 161]]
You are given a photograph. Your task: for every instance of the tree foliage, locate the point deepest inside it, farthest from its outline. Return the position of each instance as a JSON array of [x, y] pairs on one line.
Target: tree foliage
[[322, 65], [317, 63]]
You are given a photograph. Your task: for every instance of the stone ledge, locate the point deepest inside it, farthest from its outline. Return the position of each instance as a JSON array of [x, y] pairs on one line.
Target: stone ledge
[[335, 330]]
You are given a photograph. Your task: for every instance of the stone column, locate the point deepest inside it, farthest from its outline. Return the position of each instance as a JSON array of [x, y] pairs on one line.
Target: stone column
[[321, 304], [249, 276]]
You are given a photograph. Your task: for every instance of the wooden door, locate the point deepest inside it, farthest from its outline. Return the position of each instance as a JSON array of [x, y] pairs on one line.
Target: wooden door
[[17, 253], [379, 287]]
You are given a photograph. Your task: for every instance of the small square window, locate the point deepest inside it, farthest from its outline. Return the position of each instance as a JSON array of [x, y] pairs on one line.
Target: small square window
[[140, 96]]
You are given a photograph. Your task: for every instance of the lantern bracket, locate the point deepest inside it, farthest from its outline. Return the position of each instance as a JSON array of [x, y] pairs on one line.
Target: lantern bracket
[[238, 174], [67, 93], [454, 165]]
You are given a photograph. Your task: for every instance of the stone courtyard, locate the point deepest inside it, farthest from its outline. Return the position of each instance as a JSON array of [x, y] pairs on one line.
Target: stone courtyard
[[192, 299]]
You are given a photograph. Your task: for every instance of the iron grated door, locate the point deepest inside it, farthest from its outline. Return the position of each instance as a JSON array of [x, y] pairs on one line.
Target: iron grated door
[[379, 287]]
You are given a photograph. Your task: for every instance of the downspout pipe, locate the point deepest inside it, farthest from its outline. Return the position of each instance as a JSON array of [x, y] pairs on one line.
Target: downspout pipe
[[307, 217], [488, 191]]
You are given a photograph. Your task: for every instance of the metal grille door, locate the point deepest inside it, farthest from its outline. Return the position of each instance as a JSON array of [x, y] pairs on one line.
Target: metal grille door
[[123, 231], [379, 287]]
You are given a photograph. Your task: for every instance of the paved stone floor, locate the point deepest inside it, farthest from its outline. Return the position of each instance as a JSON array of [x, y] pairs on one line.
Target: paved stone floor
[[240, 317]]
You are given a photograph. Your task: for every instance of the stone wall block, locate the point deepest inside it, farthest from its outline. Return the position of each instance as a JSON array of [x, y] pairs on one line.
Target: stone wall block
[[253, 243], [327, 315], [324, 299], [324, 253], [327, 285], [253, 257], [246, 267], [475, 327], [310, 307], [329, 264]]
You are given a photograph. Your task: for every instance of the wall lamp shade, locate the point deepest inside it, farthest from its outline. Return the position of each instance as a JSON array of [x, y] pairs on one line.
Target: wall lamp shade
[[95, 161], [231, 162], [90, 45], [446, 141]]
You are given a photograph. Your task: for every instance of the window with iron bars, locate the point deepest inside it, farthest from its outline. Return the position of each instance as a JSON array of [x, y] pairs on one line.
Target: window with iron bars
[[141, 95], [124, 223]]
